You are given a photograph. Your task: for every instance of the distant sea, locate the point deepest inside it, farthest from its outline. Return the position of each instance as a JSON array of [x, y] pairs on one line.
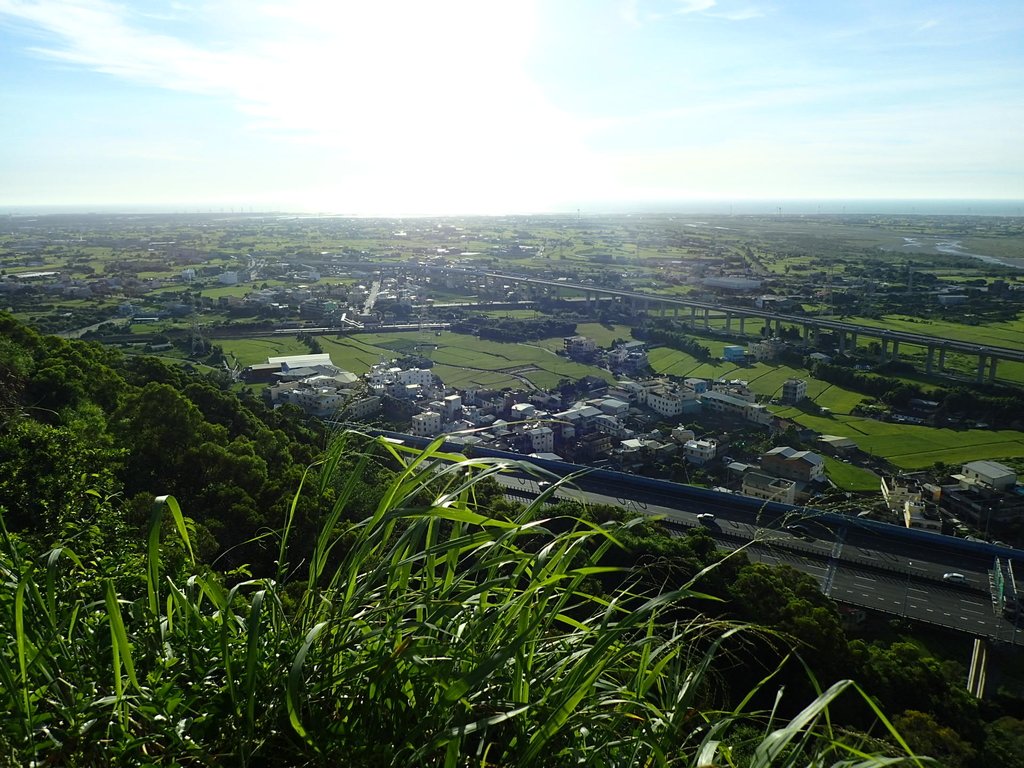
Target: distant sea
[[787, 207], [823, 207]]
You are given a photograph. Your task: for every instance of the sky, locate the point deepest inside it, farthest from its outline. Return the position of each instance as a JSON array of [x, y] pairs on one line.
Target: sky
[[396, 107]]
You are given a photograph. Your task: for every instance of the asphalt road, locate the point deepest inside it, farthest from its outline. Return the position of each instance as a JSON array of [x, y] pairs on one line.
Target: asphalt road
[[854, 567]]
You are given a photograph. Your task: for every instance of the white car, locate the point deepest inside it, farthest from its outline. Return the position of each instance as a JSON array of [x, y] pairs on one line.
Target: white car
[[705, 517], [959, 578]]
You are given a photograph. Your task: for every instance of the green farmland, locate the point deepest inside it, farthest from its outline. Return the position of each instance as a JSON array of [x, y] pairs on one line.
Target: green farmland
[[851, 478], [460, 360], [914, 447], [1008, 334], [252, 351], [906, 445], [466, 362]]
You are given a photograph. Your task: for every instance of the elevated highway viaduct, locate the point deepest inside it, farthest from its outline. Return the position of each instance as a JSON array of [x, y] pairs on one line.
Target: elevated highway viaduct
[[846, 333], [866, 563]]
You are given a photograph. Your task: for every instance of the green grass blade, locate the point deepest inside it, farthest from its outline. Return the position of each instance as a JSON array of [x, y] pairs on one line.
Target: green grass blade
[[22, 642], [119, 636], [295, 680], [179, 522], [253, 627]]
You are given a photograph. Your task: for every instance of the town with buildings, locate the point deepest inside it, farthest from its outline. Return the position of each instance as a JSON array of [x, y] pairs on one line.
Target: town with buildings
[[734, 304], [646, 424]]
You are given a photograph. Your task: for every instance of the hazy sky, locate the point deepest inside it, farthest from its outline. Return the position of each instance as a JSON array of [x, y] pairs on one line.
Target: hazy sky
[[479, 106]]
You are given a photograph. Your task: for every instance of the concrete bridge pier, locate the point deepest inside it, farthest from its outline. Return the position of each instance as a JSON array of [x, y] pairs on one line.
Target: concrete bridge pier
[[976, 672], [930, 359], [942, 359], [728, 322], [841, 338], [743, 331], [884, 350], [707, 319], [895, 350], [980, 377], [693, 317], [992, 369]]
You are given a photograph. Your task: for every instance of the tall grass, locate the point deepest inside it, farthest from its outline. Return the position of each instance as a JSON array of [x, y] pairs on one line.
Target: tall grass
[[431, 633]]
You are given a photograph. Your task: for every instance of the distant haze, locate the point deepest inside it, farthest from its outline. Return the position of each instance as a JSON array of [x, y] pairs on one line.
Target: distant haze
[[661, 207], [398, 107]]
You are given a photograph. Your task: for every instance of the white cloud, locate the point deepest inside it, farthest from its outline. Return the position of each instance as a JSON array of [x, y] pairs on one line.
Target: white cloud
[[395, 97], [742, 14], [693, 6], [641, 12]]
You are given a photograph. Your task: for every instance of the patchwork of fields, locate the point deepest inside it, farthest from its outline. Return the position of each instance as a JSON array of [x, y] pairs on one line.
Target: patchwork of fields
[[466, 362]]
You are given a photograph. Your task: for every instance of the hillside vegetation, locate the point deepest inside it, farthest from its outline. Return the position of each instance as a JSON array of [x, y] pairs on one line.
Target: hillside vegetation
[[319, 599]]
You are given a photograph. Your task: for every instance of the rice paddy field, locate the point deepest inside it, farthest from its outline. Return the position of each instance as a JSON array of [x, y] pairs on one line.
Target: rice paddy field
[[603, 335], [252, 351], [906, 445], [467, 362], [1008, 334], [851, 478], [462, 360]]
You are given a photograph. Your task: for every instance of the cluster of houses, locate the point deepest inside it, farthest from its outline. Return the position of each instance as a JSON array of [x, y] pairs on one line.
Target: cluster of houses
[[984, 494], [612, 426], [625, 356]]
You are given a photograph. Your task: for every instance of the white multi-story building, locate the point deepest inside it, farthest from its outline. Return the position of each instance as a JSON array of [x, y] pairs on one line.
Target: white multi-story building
[[794, 390], [363, 407], [542, 439], [740, 408], [579, 345], [636, 391], [452, 406], [610, 425], [700, 451], [734, 387], [767, 350], [421, 377], [897, 496], [913, 517], [400, 382], [763, 486], [426, 424], [671, 400], [631, 355], [522, 411]]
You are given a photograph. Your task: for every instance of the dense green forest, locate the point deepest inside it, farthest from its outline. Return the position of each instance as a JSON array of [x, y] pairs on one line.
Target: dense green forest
[[306, 598]]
